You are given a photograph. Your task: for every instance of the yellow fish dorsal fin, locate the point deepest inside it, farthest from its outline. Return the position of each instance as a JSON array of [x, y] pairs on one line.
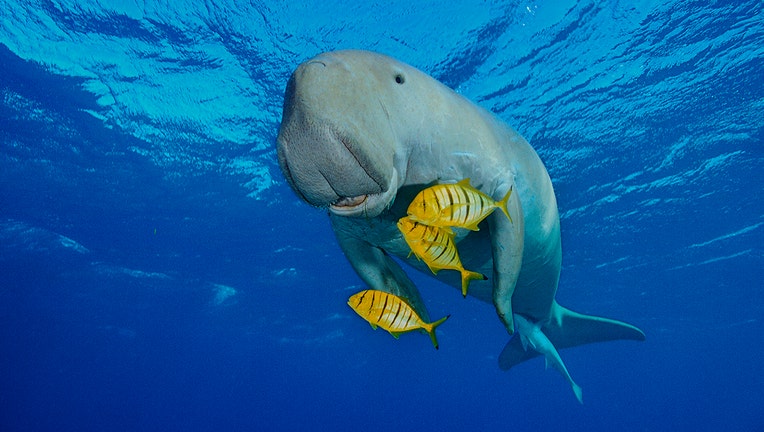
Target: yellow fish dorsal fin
[[466, 184]]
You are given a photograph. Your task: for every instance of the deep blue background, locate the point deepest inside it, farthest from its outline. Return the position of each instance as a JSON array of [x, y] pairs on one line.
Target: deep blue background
[[157, 273]]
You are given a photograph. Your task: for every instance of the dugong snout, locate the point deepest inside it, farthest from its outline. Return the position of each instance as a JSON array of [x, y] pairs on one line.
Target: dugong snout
[[335, 144]]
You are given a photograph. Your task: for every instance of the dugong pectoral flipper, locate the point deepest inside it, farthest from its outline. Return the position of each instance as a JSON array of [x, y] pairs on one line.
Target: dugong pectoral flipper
[[376, 268], [507, 242], [568, 329]]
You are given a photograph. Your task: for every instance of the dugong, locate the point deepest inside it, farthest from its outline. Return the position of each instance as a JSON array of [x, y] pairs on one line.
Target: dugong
[[362, 133]]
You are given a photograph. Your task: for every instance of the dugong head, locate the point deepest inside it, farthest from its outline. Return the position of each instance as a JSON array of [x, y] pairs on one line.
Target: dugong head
[[337, 144]]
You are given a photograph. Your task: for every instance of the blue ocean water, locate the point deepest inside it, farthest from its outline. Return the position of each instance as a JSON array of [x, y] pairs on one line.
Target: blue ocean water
[[157, 273]]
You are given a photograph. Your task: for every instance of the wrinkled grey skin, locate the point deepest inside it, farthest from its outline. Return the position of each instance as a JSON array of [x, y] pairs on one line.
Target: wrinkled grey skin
[[362, 133]]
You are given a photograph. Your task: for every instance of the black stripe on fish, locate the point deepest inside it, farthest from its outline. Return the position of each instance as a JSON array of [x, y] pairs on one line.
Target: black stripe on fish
[[444, 249], [360, 299], [450, 198], [382, 312], [465, 200], [406, 319], [484, 204], [372, 302], [452, 256], [413, 227], [392, 323], [428, 246]]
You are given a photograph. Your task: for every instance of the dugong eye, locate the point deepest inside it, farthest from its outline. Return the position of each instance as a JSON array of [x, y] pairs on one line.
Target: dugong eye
[[399, 79]]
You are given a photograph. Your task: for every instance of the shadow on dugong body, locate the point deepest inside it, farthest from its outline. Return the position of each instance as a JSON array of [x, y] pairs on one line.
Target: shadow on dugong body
[[362, 133]]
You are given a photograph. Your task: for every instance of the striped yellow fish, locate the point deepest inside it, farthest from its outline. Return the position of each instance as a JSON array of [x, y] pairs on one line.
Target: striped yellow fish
[[455, 205], [392, 313], [436, 247]]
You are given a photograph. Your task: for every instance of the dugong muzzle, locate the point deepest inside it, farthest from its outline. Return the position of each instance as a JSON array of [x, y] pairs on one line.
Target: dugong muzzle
[[325, 146]]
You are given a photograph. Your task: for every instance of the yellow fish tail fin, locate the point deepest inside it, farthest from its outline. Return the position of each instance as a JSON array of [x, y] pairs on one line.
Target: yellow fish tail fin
[[430, 328], [503, 203], [467, 276]]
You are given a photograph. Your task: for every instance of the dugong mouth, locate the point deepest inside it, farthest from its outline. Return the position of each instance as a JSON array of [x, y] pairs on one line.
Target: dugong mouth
[[369, 205], [349, 202]]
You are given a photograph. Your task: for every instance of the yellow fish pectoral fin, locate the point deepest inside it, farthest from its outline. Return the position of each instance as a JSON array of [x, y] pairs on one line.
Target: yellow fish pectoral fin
[[395, 334], [446, 217], [418, 257], [449, 207], [433, 269], [447, 231], [374, 326]]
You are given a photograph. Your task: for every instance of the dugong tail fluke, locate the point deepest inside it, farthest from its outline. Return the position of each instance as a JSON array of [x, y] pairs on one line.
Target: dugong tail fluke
[[567, 329], [554, 359], [533, 339], [564, 329]]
